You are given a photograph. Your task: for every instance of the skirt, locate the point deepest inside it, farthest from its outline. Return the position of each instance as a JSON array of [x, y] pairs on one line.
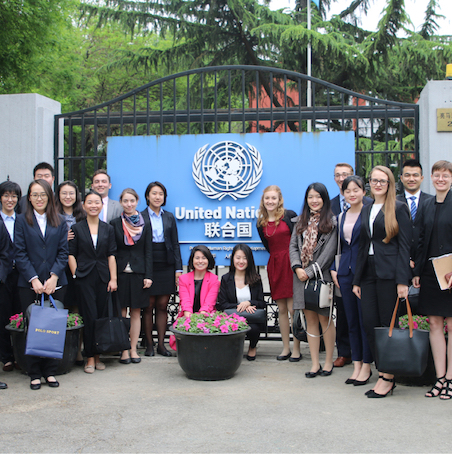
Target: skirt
[[164, 281], [433, 300], [131, 292]]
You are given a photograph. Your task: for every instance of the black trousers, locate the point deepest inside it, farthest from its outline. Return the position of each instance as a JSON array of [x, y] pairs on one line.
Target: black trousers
[[9, 305], [378, 299], [93, 305], [39, 367], [253, 335], [342, 333]]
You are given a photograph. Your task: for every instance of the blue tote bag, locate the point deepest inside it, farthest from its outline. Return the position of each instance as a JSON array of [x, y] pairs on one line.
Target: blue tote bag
[[46, 330]]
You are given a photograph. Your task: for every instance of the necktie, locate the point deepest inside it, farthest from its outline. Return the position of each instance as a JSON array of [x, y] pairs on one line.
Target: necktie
[[345, 205], [413, 207]]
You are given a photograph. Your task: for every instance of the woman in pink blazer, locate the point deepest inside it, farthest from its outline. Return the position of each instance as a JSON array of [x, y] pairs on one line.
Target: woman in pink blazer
[[198, 289]]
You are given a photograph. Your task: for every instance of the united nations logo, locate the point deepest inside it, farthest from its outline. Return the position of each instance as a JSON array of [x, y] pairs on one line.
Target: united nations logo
[[227, 168]]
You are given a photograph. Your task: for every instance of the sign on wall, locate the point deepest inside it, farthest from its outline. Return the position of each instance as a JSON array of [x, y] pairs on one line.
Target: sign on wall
[[215, 181]]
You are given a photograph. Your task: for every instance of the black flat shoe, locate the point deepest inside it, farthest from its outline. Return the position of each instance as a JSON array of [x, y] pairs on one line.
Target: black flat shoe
[[350, 381], [135, 360], [149, 352], [295, 360], [35, 386], [163, 351], [3, 385], [250, 358], [362, 382], [125, 361], [326, 373], [52, 384], [283, 357], [313, 374]]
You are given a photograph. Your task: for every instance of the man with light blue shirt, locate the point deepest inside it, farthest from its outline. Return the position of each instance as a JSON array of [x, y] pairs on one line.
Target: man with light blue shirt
[[10, 194]]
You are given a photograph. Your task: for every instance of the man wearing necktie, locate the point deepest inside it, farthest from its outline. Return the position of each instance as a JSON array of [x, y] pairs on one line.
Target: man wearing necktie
[[102, 184], [411, 178]]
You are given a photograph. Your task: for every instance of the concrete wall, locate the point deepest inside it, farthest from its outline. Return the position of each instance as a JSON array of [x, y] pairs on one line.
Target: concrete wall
[[26, 135], [433, 145]]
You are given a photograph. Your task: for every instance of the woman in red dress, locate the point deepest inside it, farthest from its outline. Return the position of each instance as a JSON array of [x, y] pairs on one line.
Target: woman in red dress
[[275, 229]]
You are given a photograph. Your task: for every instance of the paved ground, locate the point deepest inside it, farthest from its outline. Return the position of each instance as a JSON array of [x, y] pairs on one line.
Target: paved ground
[[268, 406]]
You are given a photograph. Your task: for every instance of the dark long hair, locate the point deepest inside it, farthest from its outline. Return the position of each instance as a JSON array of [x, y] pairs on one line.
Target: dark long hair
[[207, 254], [325, 222], [53, 218], [77, 208], [251, 274]]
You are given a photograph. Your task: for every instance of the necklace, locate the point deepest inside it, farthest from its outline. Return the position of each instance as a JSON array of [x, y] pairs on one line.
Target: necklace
[[274, 231]]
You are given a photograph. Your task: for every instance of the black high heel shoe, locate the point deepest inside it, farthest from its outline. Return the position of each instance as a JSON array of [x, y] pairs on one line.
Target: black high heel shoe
[[362, 382], [439, 381], [374, 395]]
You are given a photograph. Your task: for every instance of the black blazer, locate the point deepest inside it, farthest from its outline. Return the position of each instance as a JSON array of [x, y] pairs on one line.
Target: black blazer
[[88, 258], [227, 297], [445, 229], [139, 255], [170, 235], [392, 260], [336, 204], [418, 220], [40, 256], [349, 252], [287, 218], [5, 252]]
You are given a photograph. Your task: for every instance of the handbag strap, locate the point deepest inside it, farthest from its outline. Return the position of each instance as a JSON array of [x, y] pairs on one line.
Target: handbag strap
[[410, 317], [110, 306], [52, 301], [339, 220], [330, 317], [319, 271]]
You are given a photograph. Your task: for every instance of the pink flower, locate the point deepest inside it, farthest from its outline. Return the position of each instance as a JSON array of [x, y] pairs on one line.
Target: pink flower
[[76, 323], [415, 325], [206, 330], [224, 328], [200, 325], [217, 322], [234, 326]]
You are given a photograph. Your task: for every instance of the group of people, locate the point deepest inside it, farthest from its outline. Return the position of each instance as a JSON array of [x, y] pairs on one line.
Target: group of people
[[371, 248]]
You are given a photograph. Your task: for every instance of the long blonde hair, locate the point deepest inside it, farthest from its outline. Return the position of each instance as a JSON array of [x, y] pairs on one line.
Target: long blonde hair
[[262, 220], [391, 224]]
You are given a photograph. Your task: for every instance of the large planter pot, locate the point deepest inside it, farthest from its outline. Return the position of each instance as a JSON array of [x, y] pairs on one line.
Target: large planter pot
[[70, 348], [209, 356]]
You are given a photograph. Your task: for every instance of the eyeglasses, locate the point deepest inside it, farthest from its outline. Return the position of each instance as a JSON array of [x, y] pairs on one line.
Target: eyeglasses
[[65, 194], [36, 196], [375, 182], [9, 197], [343, 175], [437, 176]]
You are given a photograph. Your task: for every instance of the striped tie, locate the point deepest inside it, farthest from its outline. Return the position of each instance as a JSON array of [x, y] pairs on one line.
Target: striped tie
[[413, 207]]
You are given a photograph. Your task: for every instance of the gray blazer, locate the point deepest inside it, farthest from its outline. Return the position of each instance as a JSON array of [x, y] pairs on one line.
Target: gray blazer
[[324, 253], [114, 210]]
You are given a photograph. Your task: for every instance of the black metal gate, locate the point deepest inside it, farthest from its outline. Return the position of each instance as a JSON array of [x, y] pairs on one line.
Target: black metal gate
[[237, 99]]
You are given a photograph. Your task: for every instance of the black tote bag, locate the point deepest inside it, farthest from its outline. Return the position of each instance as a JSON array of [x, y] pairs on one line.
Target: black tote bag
[[402, 351], [111, 333]]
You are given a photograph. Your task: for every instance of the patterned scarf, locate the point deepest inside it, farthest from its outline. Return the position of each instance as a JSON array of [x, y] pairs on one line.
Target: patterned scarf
[[133, 228], [310, 239]]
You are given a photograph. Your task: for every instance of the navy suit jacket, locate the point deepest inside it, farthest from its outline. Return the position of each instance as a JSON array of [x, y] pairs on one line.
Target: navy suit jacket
[[88, 257], [37, 255], [418, 220], [392, 260], [349, 252], [170, 235], [336, 204], [5, 252]]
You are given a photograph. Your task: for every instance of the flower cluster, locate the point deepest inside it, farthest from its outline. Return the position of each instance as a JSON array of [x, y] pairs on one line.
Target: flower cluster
[[17, 320], [216, 322], [419, 322]]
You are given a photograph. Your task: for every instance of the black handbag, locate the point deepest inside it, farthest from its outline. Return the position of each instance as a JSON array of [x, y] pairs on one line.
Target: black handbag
[[317, 291], [258, 316], [111, 333], [402, 351]]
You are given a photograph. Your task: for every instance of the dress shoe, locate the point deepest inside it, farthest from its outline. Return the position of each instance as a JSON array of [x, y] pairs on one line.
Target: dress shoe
[[283, 357], [250, 358], [350, 381], [3, 385], [8, 367], [362, 382], [100, 365], [125, 361], [342, 361], [293, 359], [313, 374], [35, 386], [163, 351], [149, 352], [373, 395], [135, 360], [326, 373], [89, 369], [53, 384]]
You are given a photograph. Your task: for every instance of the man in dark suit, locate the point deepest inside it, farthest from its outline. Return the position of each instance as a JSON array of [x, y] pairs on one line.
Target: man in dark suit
[[338, 205], [411, 178], [102, 184]]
